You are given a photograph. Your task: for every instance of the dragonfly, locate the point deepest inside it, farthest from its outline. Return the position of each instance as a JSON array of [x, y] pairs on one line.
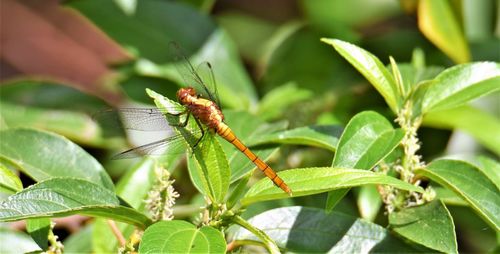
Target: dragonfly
[[199, 100]]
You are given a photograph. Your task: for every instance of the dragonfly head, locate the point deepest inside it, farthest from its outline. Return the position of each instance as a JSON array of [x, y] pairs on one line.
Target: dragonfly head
[[184, 94]]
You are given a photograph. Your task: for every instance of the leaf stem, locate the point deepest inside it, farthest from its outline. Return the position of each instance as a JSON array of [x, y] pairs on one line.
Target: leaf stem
[[237, 243], [266, 240], [118, 234]]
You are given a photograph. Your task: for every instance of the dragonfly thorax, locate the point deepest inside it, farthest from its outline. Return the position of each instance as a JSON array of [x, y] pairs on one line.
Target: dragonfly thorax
[[186, 95]]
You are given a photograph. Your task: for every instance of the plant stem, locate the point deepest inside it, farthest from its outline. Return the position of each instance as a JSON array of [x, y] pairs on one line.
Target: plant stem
[[266, 240], [118, 234]]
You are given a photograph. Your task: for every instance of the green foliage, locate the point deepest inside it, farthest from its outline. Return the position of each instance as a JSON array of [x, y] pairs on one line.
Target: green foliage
[[58, 197], [181, 236], [277, 82], [29, 149], [430, 225], [304, 229], [367, 139], [482, 196], [9, 182], [308, 181]]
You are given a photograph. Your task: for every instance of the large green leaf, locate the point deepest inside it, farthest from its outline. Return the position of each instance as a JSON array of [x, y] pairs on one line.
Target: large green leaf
[[59, 197], [181, 237], [303, 229], [367, 139], [211, 172], [430, 225], [470, 184], [460, 84], [15, 242], [439, 24], [308, 181], [371, 68], [43, 155], [274, 103], [152, 26], [485, 128], [9, 182], [39, 230], [448, 196], [73, 125], [323, 136]]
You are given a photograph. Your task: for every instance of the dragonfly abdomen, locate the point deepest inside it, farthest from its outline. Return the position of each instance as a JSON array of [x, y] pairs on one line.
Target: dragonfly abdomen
[[224, 131]]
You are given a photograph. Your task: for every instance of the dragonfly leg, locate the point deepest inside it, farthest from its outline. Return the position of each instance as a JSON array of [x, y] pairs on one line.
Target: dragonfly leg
[[185, 121], [202, 132]]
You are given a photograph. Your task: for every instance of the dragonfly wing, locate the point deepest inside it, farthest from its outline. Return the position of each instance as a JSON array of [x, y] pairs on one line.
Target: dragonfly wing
[[142, 119], [172, 145], [204, 83], [207, 77]]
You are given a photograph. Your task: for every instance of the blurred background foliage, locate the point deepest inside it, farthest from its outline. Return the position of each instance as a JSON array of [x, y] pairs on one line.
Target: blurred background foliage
[[62, 61]]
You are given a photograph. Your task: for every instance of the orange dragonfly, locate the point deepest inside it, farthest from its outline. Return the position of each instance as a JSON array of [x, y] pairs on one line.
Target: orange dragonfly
[[200, 101]]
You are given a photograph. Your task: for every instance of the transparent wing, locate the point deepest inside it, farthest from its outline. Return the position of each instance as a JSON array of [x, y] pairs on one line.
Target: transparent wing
[[206, 73], [202, 78], [142, 119], [174, 144]]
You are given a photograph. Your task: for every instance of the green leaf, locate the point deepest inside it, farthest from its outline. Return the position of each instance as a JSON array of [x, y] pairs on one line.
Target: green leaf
[[308, 181], [81, 241], [438, 23], [39, 230], [470, 184], [412, 75], [127, 6], [371, 68], [323, 136], [277, 100], [367, 139], [430, 225], [448, 196], [43, 155], [369, 202], [59, 197], [460, 84], [212, 173], [18, 242], [9, 182], [151, 28], [311, 230], [133, 187], [485, 128], [490, 167], [181, 237], [73, 125]]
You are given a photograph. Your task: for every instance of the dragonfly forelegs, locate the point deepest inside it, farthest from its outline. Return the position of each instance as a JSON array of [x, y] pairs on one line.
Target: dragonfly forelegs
[[202, 132], [183, 124]]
